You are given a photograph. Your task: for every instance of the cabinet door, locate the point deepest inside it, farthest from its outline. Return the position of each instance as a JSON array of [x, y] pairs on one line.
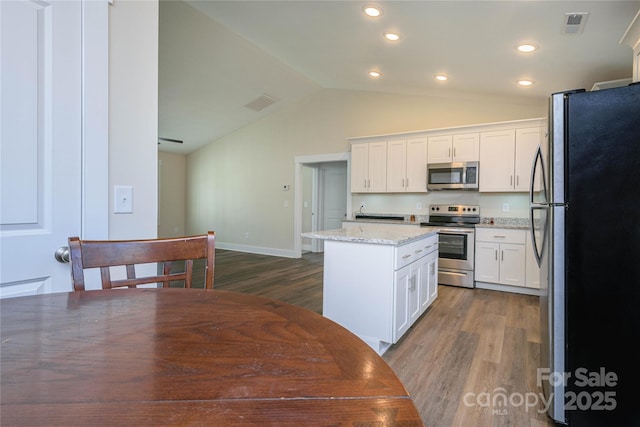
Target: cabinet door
[[439, 149], [396, 165], [466, 147], [402, 290], [527, 142], [487, 265], [416, 165], [512, 264], [497, 150], [433, 276], [414, 291], [428, 280], [359, 168], [377, 167]]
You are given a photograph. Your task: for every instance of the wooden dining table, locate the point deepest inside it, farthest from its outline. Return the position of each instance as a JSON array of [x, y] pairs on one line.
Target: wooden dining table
[[187, 357]]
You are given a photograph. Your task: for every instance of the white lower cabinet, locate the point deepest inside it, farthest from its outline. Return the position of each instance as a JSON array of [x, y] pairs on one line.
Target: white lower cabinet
[[415, 288], [500, 256], [405, 300], [378, 291]]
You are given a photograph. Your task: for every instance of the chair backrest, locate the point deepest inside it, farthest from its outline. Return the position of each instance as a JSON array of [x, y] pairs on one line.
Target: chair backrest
[[104, 254]]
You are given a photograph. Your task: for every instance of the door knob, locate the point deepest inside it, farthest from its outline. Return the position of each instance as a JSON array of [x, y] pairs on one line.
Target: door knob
[[62, 254]]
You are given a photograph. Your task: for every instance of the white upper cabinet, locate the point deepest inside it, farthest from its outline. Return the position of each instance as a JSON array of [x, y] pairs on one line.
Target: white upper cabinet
[[527, 142], [497, 155], [407, 165], [454, 148], [506, 158], [466, 147], [369, 167], [416, 165], [397, 163], [439, 149]]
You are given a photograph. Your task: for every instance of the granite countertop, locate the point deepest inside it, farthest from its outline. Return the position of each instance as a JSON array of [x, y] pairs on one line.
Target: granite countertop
[[485, 222], [396, 236], [498, 222]]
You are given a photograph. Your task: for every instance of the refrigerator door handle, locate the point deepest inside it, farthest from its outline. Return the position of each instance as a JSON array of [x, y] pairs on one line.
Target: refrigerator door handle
[[537, 251], [534, 166], [533, 206]]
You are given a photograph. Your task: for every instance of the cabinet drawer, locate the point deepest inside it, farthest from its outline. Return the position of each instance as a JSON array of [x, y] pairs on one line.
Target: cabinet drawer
[[501, 235], [429, 245], [413, 251]]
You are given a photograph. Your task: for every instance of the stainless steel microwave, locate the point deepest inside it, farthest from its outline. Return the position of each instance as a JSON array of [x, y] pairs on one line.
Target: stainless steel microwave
[[453, 176]]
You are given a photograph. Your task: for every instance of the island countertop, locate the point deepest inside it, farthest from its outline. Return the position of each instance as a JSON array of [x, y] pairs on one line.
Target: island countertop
[[381, 236]]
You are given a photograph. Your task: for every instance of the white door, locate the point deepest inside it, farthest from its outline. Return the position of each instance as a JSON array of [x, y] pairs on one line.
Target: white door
[[332, 195], [40, 143]]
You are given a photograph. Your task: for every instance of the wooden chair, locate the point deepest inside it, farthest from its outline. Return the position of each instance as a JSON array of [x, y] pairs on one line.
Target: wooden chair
[[104, 254]]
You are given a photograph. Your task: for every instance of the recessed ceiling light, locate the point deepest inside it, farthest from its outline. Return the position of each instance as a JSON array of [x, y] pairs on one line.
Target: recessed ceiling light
[[392, 36], [374, 74], [441, 78], [526, 47], [525, 83], [372, 11]]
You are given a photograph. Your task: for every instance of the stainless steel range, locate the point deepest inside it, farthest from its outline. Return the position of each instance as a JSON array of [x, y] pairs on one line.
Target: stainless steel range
[[456, 242]]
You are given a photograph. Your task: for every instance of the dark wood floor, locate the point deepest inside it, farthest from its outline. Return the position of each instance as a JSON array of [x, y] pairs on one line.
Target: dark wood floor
[[469, 351]]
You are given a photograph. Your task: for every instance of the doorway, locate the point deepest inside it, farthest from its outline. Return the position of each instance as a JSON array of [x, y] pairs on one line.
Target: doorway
[[321, 198], [328, 200]]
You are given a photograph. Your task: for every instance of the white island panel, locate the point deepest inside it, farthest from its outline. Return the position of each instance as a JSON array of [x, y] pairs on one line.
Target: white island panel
[[357, 277], [373, 279]]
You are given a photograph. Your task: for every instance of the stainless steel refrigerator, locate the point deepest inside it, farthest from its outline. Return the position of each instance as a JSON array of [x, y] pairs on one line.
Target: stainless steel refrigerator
[[585, 216]]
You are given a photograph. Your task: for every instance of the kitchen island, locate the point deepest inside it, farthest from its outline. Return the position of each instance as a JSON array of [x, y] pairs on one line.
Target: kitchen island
[[378, 281]]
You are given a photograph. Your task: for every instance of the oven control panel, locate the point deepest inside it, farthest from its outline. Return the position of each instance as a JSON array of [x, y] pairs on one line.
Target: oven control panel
[[471, 210]]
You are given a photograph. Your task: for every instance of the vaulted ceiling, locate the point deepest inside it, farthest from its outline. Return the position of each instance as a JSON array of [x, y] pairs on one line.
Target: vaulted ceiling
[[217, 57]]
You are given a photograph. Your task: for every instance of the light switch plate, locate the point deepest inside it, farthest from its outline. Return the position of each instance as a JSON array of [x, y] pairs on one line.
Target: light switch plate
[[122, 199]]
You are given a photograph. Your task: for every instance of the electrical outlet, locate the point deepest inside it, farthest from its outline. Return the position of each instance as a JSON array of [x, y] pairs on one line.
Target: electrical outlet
[[418, 206], [505, 207]]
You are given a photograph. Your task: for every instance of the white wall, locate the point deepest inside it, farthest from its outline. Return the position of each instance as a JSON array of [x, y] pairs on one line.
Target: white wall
[[133, 115], [172, 194], [234, 184]]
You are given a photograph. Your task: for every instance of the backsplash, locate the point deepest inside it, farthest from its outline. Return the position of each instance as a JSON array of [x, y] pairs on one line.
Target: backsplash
[[491, 204]]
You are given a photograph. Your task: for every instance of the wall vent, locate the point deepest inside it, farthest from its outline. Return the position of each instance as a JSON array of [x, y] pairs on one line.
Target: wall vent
[[574, 22], [261, 102]]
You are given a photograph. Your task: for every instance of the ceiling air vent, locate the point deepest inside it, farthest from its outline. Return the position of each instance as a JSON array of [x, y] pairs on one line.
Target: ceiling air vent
[[261, 102], [574, 22]]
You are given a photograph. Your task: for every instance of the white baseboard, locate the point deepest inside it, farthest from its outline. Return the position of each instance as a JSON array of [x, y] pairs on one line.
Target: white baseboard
[[507, 288], [257, 250]]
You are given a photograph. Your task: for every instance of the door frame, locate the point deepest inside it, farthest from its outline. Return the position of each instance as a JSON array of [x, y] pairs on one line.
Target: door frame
[[299, 162], [94, 199]]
